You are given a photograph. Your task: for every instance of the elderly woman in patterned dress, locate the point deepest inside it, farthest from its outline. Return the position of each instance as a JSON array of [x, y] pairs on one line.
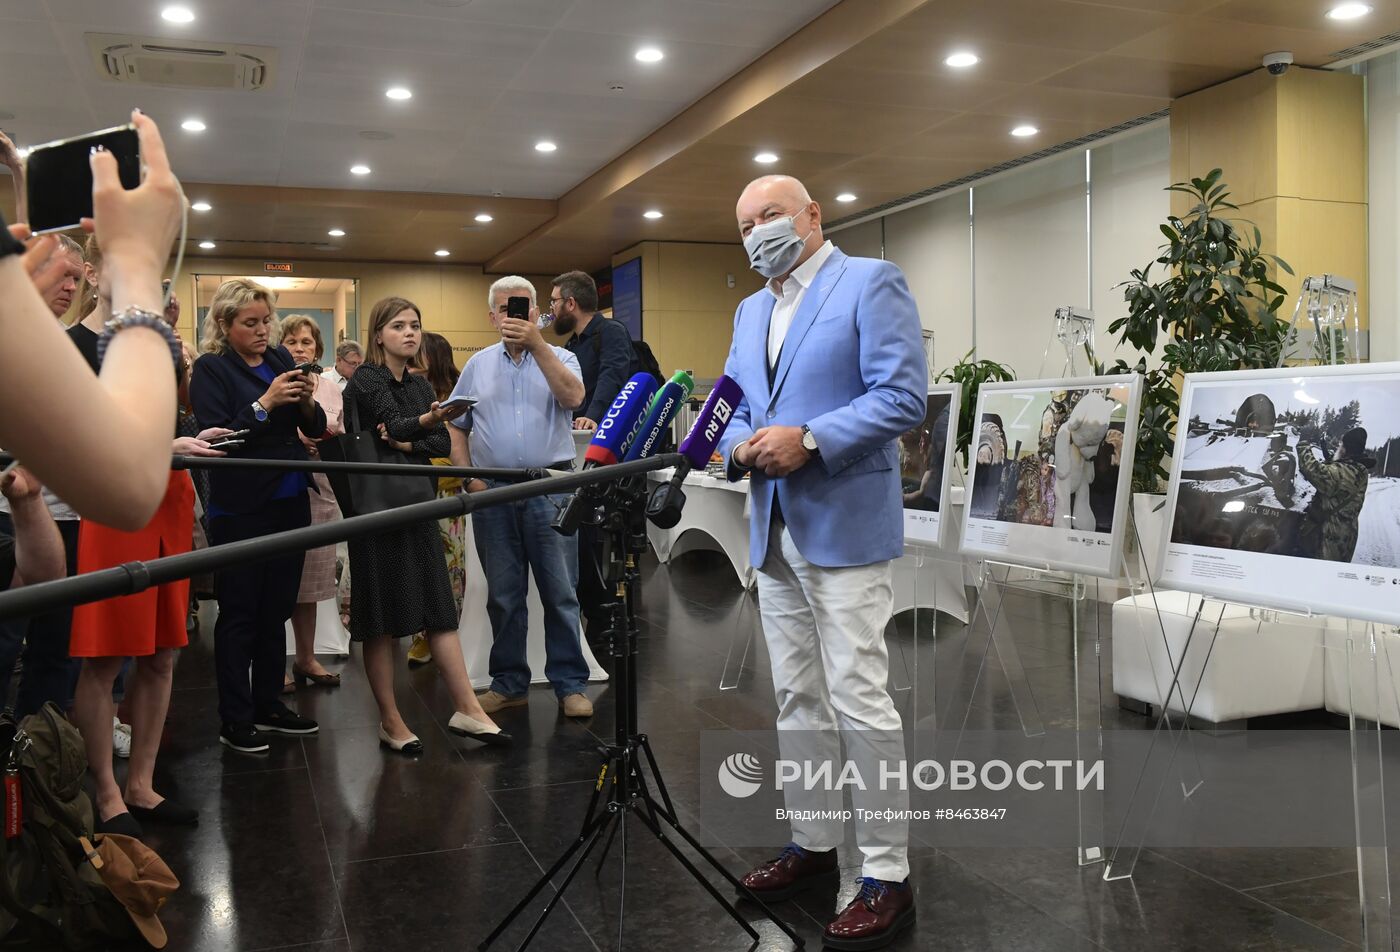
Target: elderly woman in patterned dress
[[302, 337]]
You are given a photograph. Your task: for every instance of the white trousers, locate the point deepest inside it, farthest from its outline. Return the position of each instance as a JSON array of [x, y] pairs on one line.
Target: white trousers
[[825, 630]]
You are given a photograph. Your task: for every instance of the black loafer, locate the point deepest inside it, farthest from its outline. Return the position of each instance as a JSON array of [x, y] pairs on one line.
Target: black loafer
[[123, 824], [171, 814]]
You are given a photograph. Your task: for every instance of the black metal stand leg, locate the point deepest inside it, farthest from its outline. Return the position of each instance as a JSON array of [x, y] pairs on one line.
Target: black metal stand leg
[[603, 856], [587, 840], [699, 877], [622, 771]]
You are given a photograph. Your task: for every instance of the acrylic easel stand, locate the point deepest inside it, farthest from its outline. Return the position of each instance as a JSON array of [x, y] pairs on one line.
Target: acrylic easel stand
[[1364, 654], [1367, 652]]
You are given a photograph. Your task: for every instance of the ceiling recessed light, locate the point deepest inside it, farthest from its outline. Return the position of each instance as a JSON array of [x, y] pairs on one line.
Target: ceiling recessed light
[[765, 158], [359, 170], [442, 252], [962, 60], [201, 207], [484, 218], [207, 245], [846, 197], [544, 145], [1348, 11], [1021, 132], [193, 125], [652, 213], [177, 15], [398, 92], [650, 54], [336, 232]]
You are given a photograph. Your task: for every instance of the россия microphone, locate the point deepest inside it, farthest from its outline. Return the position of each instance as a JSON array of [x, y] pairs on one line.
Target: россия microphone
[[610, 441]]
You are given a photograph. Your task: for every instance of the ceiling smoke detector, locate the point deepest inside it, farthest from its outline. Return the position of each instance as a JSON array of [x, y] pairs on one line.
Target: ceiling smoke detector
[[616, 87], [180, 63]]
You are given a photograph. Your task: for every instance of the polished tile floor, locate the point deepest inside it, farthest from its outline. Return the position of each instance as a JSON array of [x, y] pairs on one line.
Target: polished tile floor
[[329, 844]]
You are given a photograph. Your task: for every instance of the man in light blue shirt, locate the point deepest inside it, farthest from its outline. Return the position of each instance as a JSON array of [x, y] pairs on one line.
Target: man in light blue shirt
[[525, 391]]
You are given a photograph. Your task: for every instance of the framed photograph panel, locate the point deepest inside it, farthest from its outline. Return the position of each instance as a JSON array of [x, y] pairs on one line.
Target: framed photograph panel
[[1051, 472], [926, 456], [1285, 490]]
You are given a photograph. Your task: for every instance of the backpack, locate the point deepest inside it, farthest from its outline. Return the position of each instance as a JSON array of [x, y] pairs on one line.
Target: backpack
[[50, 894], [642, 358]]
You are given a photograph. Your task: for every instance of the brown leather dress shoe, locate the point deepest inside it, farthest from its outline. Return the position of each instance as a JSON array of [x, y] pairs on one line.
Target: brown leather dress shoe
[[874, 919], [795, 870]]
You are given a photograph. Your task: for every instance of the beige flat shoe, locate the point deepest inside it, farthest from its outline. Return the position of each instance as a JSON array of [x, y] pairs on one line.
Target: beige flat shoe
[[478, 730]]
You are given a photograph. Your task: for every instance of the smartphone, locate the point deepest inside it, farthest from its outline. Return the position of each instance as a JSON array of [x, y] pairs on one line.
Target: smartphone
[[310, 367], [236, 437], [58, 176], [518, 307], [453, 403]]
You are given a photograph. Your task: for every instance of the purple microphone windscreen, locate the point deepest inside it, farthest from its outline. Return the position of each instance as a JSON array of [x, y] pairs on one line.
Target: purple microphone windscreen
[[709, 426], [620, 423]]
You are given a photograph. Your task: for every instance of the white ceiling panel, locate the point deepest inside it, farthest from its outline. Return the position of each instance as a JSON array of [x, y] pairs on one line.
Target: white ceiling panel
[[589, 62], [264, 22], [489, 79], [543, 14], [507, 47]]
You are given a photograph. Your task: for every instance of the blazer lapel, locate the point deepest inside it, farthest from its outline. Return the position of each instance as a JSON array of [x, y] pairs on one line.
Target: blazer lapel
[[763, 320], [812, 303]]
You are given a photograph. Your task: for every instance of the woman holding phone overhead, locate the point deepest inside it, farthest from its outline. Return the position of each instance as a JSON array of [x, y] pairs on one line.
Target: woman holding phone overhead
[[401, 581], [244, 383]]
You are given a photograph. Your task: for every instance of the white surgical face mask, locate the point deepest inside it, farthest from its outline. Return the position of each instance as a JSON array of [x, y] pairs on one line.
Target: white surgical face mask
[[774, 247]]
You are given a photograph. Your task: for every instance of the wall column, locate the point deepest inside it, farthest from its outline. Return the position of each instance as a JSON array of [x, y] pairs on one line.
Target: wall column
[[1293, 151]]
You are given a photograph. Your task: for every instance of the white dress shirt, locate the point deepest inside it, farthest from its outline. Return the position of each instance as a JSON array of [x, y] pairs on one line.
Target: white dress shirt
[[334, 377], [789, 295]]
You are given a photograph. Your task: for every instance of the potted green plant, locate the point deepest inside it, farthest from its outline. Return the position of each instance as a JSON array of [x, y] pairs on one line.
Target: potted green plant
[[970, 375], [1214, 308]]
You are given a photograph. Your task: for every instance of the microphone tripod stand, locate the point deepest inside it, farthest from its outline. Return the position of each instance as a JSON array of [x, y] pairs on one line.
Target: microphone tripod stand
[[622, 786]]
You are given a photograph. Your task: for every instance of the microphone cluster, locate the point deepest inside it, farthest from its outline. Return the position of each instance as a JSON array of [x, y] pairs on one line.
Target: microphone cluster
[[633, 429]]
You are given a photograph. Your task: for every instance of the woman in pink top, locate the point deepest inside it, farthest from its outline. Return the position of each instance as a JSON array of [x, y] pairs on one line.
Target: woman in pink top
[[302, 337]]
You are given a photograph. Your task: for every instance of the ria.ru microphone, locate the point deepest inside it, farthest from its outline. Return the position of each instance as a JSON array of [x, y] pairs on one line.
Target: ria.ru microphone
[[664, 507], [622, 421], [663, 410]]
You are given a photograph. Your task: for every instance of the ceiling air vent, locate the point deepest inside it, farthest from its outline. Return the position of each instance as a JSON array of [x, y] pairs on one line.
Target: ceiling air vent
[[179, 63]]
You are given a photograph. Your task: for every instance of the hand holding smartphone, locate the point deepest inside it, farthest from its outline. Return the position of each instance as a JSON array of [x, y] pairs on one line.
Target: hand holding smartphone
[[58, 176]]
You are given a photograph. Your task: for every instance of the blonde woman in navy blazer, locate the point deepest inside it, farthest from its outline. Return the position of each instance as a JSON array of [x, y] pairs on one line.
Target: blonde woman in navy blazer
[[244, 383]]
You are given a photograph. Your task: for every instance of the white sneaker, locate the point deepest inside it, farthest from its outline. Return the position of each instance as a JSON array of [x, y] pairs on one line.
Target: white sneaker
[[121, 739]]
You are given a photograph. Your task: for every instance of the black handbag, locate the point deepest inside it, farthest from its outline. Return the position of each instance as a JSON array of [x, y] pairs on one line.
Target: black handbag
[[362, 493]]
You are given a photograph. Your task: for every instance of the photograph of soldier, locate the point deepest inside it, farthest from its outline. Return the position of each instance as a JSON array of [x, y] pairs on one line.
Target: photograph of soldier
[[1062, 452], [1300, 467], [922, 451]]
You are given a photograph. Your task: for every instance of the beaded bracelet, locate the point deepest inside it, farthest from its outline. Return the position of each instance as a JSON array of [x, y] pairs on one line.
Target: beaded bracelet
[[138, 317]]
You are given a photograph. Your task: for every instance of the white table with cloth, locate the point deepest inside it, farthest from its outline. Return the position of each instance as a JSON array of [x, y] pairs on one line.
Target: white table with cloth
[[716, 517]]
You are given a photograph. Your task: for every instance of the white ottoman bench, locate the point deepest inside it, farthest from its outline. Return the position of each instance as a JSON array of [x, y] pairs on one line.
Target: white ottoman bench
[[1255, 668]]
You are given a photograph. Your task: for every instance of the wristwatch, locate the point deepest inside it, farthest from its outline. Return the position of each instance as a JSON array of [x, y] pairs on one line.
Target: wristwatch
[[809, 440], [259, 412]]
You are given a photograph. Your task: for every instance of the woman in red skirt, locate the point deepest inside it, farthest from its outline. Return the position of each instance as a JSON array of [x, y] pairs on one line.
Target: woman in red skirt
[[149, 626]]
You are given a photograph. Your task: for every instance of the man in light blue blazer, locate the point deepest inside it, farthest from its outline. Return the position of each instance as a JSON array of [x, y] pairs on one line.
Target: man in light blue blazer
[[830, 357]]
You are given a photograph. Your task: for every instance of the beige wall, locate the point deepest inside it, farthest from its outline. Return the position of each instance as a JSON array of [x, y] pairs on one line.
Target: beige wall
[[1293, 151], [453, 297], [687, 306]]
